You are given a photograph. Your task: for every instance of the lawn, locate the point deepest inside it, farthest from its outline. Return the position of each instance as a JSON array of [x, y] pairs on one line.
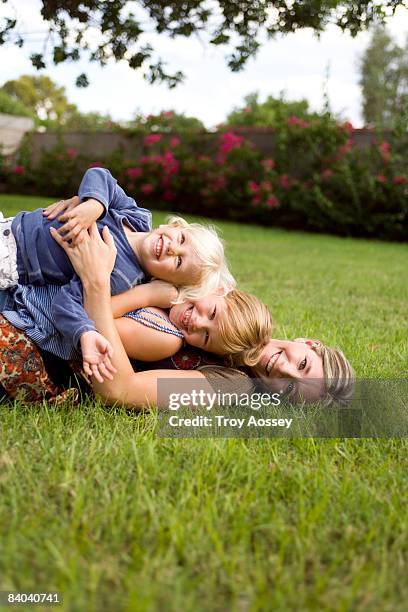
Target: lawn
[[94, 505]]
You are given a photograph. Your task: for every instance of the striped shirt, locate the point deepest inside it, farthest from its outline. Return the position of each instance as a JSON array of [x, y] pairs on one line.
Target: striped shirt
[[29, 308]]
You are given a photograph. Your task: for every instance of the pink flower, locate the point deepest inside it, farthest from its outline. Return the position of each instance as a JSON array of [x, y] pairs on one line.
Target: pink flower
[[293, 120], [268, 164], [348, 126], [256, 200], [266, 185], [170, 163], [253, 187], [168, 195], [272, 202], [229, 141], [399, 180], [151, 139], [72, 153], [380, 178], [95, 164], [247, 109], [284, 181], [167, 114], [146, 188], [384, 149], [174, 142], [18, 170], [327, 173], [134, 172]]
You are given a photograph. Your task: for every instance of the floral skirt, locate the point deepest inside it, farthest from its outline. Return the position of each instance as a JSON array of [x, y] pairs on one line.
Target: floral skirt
[[22, 371]]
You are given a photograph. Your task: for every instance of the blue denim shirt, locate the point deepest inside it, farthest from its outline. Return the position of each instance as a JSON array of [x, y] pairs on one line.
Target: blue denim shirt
[[41, 261]]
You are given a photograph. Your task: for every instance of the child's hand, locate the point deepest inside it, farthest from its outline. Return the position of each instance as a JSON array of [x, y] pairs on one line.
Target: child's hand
[[79, 218], [53, 210], [162, 294], [96, 355]]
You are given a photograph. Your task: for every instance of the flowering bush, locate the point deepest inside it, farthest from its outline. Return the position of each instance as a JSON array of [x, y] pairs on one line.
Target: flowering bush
[[316, 177]]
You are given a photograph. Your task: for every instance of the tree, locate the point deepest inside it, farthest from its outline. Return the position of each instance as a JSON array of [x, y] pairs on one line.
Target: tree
[[384, 80], [269, 113], [237, 24], [47, 101], [9, 106], [88, 122], [167, 121]]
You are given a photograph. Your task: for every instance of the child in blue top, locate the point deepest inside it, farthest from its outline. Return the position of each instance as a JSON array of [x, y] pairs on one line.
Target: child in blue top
[[190, 256]]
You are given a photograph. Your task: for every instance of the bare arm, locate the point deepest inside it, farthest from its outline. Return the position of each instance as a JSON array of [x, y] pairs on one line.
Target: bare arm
[[144, 343], [156, 293]]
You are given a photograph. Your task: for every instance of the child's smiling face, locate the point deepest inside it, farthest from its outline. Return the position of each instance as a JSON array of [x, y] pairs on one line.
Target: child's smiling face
[[167, 253], [199, 322]]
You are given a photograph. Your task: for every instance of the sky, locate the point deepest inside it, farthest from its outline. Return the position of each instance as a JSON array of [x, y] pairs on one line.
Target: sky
[[296, 64]]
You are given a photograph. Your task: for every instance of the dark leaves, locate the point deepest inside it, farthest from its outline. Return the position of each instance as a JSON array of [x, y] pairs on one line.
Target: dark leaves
[[82, 81], [37, 60], [241, 21]]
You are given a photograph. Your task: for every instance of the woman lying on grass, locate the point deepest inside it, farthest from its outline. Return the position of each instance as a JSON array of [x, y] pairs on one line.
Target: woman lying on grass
[[304, 368]]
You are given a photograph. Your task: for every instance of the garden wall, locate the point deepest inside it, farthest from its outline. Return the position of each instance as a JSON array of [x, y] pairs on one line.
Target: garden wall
[[101, 144]]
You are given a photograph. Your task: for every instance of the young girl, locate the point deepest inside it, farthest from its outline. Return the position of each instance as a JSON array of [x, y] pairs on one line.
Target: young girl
[[236, 325], [190, 256]]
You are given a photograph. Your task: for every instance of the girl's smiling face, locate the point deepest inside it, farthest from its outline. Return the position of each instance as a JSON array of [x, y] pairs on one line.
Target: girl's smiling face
[[199, 322], [166, 253]]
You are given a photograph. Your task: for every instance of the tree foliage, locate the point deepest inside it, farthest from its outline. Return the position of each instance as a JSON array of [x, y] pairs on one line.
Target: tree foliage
[[384, 81], [87, 122], [10, 106], [269, 113], [124, 27], [166, 121], [39, 97], [46, 100]]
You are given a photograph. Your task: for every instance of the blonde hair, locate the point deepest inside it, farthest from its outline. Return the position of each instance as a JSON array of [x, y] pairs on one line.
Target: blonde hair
[[339, 376], [245, 328], [213, 271]]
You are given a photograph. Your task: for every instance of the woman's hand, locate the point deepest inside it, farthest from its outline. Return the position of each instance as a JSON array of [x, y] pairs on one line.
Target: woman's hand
[[96, 356], [94, 257]]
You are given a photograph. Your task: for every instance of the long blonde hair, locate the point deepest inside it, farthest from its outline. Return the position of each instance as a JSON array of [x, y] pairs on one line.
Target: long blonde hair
[[245, 328], [339, 376]]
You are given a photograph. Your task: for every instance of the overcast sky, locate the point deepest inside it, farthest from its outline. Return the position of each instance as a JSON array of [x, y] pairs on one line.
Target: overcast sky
[[295, 64]]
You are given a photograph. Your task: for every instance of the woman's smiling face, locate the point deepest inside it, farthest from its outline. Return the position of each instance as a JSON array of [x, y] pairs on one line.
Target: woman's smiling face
[[199, 322], [293, 368]]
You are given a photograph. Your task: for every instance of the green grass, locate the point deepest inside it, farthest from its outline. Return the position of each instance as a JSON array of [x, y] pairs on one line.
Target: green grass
[[93, 504]]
